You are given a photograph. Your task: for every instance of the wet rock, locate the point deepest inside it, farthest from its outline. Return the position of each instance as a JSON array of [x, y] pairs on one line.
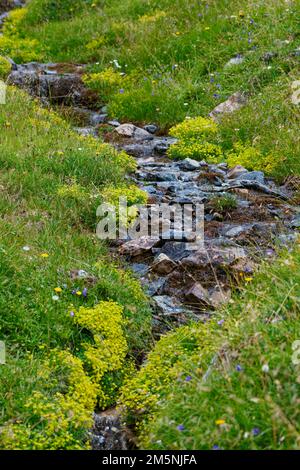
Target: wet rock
[[163, 264], [131, 131], [139, 246], [97, 119], [139, 268], [197, 295], [108, 433], [255, 176], [174, 250], [235, 61], [114, 123], [152, 128], [234, 103], [41, 81], [156, 286], [189, 164], [162, 145], [236, 172], [168, 306]]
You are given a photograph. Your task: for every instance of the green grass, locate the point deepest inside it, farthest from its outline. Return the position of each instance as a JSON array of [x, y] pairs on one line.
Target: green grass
[[173, 55], [39, 155], [227, 382]]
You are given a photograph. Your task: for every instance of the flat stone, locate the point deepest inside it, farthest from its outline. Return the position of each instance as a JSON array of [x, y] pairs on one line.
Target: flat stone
[[138, 246], [131, 131], [114, 123], [189, 164], [255, 176], [234, 103], [168, 305], [163, 264]]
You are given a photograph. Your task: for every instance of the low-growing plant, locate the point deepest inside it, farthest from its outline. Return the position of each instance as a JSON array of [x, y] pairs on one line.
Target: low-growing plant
[[224, 203]]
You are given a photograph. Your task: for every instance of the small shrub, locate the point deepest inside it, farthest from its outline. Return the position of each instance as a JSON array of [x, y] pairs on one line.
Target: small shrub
[[224, 203], [194, 128], [5, 67], [252, 158]]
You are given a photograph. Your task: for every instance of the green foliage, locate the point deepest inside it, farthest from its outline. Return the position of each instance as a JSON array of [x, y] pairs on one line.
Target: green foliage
[[49, 176], [5, 68], [53, 10]]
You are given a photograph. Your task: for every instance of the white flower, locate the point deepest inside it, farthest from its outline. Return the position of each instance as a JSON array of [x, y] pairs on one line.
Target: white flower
[[265, 368], [26, 248], [55, 297]]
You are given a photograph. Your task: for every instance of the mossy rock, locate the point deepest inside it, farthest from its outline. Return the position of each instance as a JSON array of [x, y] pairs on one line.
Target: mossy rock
[[5, 67]]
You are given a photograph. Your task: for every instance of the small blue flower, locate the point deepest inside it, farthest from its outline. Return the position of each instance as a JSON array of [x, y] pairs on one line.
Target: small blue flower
[[121, 91], [220, 322], [180, 427], [85, 292], [239, 368], [188, 378], [255, 431], [215, 447]]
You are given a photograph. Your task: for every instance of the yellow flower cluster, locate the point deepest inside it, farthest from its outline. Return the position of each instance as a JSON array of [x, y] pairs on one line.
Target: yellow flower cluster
[[252, 158], [107, 353], [196, 150], [194, 128], [72, 191], [96, 43], [21, 49], [192, 135], [4, 67], [58, 421], [140, 395]]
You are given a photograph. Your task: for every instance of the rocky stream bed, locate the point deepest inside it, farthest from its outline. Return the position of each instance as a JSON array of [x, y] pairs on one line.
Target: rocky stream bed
[[183, 282]]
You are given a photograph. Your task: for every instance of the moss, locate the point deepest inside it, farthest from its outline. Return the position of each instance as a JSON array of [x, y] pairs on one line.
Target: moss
[[5, 68]]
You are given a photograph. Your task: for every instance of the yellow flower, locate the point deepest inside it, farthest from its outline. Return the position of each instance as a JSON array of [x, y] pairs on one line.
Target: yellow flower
[[79, 293], [219, 422], [58, 290], [44, 255], [248, 279]]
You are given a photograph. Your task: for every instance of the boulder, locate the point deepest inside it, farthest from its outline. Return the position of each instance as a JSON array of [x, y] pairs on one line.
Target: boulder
[[131, 131], [163, 264], [189, 164]]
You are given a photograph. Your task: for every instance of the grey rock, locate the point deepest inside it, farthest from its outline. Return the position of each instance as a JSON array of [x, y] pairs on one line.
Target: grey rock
[[295, 222], [255, 176], [114, 123], [236, 231], [131, 131], [108, 432], [189, 164], [152, 128], [85, 131], [234, 103], [235, 61], [155, 287], [168, 305]]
